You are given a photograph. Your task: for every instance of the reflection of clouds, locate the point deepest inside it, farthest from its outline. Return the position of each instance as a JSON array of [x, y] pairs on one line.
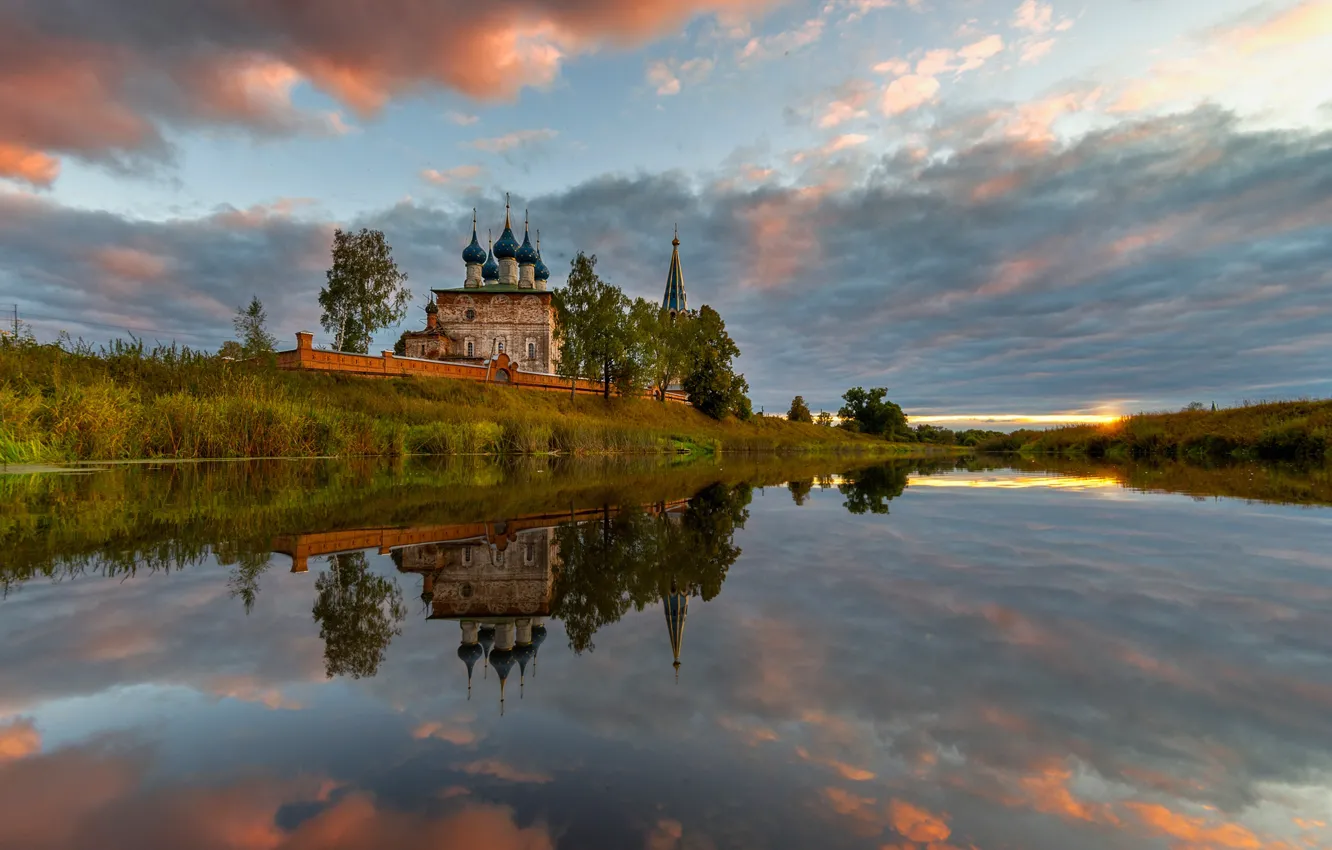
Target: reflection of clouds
[[95, 797], [504, 771]]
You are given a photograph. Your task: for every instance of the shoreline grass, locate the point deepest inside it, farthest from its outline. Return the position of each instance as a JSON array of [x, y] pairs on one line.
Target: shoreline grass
[[63, 404], [1264, 431]]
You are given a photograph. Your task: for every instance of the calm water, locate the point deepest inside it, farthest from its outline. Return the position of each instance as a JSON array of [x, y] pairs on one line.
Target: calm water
[[309, 656]]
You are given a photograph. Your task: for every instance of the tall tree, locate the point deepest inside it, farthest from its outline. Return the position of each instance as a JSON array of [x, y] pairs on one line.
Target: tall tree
[[596, 338], [799, 410], [662, 341], [870, 412], [251, 327], [359, 613], [710, 379], [364, 292]]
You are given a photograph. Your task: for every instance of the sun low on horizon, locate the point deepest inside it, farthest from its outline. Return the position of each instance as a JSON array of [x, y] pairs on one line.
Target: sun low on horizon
[[1011, 212]]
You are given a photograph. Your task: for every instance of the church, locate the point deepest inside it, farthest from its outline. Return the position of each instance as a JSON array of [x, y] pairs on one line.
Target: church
[[504, 305]]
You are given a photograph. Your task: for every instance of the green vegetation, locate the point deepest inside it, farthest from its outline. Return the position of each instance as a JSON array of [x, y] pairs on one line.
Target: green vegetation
[[799, 411], [69, 402], [1287, 430], [636, 345], [870, 412], [364, 292]]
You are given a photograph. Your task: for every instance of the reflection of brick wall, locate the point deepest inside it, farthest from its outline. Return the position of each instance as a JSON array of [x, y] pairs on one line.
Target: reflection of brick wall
[[502, 370], [477, 578]]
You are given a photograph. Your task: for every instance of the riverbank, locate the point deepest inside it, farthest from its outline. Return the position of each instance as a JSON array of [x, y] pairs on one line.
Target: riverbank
[[58, 405], [1287, 430]]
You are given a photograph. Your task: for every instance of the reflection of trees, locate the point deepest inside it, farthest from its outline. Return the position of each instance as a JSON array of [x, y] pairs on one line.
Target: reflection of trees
[[358, 613], [800, 490], [629, 558], [873, 488]]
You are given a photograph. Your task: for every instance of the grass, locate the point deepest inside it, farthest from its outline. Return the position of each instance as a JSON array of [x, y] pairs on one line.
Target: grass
[[68, 402], [1283, 430]]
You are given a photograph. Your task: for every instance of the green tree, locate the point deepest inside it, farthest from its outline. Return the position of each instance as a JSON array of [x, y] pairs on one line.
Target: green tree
[[825, 418], [710, 379], [364, 292], [359, 613], [871, 413], [799, 410], [251, 327], [592, 324], [662, 341], [231, 350]]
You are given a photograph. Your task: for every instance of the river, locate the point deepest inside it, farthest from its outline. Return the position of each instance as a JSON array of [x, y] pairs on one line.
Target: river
[[736, 653]]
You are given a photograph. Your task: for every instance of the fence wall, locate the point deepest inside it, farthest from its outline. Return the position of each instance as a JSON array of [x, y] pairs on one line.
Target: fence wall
[[501, 370]]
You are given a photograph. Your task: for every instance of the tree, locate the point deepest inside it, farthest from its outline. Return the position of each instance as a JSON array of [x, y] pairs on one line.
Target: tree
[[365, 291], [799, 410], [710, 379], [662, 343], [231, 350], [870, 490], [250, 324], [825, 418], [596, 336], [359, 613], [871, 413]]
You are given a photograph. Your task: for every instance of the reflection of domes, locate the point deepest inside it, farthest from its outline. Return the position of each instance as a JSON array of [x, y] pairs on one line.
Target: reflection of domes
[[538, 636], [470, 653], [502, 660], [524, 654]]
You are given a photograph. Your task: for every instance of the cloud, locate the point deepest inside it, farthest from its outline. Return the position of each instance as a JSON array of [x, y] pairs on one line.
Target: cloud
[[896, 67], [784, 42], [1034, 17], [504, 771], [666, 76], [907, 93], [1036, 50], [1009, 266], [452, 176], [104, 80], [19, 738], [514, 141], [462, 119]]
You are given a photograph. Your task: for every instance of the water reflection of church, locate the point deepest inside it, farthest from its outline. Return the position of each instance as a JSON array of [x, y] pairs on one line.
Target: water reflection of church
[[495, 579]]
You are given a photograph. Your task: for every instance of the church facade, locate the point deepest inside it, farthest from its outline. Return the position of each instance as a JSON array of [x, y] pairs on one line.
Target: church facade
[[504, 306]]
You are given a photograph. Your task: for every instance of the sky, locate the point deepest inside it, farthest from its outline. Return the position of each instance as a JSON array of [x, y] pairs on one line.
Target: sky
[[1016, 207]]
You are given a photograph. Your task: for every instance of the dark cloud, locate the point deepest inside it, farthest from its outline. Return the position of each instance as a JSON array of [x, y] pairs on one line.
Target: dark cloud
[[101, 79], [1160, 262]]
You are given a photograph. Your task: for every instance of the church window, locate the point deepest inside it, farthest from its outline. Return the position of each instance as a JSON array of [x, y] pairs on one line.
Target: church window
[[470, 314], [529, 552], [531, 350], [467, 554], [470, 349], [501, 347]]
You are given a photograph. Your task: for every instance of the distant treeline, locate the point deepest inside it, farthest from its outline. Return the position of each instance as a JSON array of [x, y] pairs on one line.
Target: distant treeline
[[1285, 430]]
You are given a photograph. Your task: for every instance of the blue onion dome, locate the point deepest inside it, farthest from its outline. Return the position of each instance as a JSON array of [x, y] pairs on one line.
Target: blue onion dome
[[527, 255], [538, 636], [507, 246], [490, 271], [486, 636], [474, 253], [542, 273]]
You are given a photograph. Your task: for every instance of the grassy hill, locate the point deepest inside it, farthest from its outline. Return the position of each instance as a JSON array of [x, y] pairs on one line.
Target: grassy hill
[[125, 402], [1286, 430]]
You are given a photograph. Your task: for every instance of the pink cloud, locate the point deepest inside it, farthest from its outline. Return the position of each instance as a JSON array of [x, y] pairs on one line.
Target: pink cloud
[[130, 264], [27, 165], [451, 176], [907, 93], [505, 771], [19, 739], [514, 140]]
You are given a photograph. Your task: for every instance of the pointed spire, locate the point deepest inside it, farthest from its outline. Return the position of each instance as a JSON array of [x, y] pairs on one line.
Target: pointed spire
[[506, 210], [674, 300], [506, 246]]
